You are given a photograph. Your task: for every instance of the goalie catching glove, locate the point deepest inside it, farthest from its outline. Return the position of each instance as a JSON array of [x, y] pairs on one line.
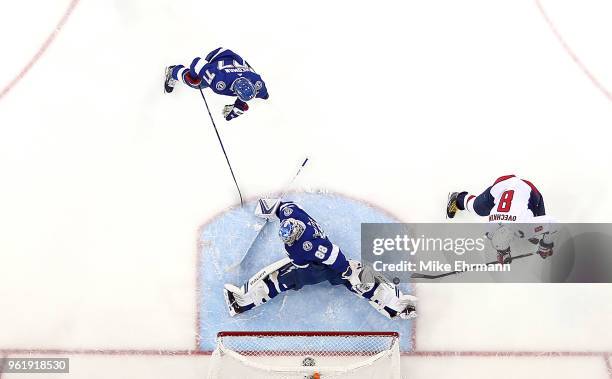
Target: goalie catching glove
[[266, 208]]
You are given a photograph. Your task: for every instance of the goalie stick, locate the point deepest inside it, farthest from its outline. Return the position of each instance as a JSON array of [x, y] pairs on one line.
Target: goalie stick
[[261, 225], [418, 275]]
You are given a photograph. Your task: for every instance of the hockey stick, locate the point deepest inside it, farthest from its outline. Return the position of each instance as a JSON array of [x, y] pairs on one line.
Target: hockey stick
[[260, 226], [222, 147], [294, 177], [418, 275]]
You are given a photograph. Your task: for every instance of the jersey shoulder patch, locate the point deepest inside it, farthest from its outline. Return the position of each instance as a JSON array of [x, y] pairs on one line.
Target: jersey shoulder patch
[[287, 211], [288, 208]]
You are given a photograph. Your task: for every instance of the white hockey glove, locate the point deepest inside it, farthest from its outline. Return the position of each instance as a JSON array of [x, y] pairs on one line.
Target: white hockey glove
[[546, 245], [232, 111], [266, 208], [352, 274]]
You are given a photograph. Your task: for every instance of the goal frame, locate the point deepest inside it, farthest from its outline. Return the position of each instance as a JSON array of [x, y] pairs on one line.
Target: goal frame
[[299, 333], [369, 357]]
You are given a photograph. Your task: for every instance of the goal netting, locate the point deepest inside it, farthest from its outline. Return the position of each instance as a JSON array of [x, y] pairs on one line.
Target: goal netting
[[306, 355]]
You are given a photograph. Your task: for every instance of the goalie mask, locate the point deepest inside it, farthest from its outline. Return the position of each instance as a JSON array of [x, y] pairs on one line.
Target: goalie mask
[[291, 230], [244, 89]]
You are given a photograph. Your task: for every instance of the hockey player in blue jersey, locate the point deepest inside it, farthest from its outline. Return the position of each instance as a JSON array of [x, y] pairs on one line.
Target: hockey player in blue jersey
[[312, 258], [225, 73]]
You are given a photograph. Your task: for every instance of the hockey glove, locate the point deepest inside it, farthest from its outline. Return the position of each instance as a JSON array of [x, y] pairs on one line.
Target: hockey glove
[[232, 111], [504, 257], [545, 250], [266, 208], [192, 81], [352, 273]]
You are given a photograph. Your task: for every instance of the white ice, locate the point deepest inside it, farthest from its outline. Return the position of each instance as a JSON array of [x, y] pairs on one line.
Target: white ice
[[105, 180]]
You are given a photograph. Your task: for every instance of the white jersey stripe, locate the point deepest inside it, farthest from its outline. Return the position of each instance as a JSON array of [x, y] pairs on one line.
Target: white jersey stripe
[[199, 65], [332, 256], [469, 202]]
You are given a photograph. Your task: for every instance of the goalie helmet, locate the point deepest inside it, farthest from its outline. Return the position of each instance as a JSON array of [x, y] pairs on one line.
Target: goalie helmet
[[244, 89], [291, 230]]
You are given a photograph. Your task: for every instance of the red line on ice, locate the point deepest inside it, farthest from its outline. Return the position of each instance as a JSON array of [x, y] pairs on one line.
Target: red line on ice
[[105, 352], [493, 354], [41, 50], [608, 365], [441, 354], [571, 53]]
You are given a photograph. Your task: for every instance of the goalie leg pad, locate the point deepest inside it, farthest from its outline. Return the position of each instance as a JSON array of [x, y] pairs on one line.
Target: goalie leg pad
[[242, 299], [236, 300], [384, 296], [262, 287], [391, 302]]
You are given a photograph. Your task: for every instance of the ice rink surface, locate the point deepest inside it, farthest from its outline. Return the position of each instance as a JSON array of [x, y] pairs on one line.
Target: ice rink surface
[[107, 181]]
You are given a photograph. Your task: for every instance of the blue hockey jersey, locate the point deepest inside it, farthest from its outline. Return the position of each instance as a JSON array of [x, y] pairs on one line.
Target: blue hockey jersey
[[221, 67], [313, 246]]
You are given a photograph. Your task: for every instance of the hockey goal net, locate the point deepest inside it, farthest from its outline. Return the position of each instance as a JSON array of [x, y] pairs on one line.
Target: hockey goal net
[[306, 355]]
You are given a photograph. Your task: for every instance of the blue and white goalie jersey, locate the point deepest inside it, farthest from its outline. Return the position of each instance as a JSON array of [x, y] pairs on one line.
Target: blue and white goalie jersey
[[313, 246]]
